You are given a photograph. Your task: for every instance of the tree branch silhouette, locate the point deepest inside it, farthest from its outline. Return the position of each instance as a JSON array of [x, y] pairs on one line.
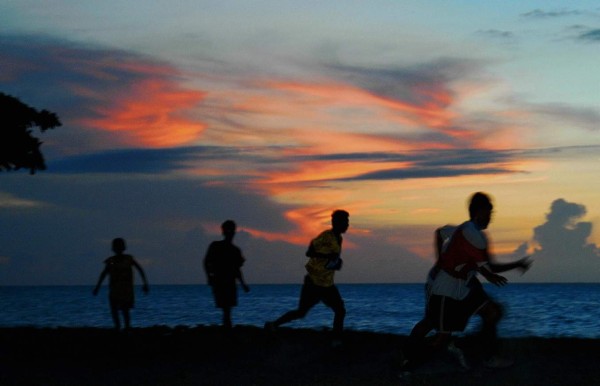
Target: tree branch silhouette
[[18, 147]]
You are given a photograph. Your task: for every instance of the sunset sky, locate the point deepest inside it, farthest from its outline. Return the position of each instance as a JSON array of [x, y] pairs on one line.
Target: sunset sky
[[178, 115]]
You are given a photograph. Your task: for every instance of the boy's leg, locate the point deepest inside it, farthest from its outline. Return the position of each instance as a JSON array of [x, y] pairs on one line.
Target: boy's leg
[[126, 318], [490, 314], [227, 324], [332, 299], [114, 312], [415, 347], [309, 297]]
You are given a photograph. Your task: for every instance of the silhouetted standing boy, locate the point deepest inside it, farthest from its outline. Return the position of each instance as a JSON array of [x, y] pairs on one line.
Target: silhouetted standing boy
[[119, 269], [324, 259], [222, 263]]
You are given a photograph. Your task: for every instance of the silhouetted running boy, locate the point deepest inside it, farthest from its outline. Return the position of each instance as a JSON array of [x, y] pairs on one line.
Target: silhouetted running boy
[[222, 263], [455, 293], [324, 259], [120, 276]]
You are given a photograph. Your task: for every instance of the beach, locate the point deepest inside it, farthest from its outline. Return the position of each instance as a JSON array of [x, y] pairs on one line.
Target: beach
[[204, 355]]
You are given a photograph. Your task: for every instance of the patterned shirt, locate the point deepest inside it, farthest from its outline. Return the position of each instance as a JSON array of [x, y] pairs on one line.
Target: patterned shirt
[[326, 243]]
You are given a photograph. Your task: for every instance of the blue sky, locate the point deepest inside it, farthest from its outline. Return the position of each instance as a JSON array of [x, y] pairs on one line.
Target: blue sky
[[179, 115]]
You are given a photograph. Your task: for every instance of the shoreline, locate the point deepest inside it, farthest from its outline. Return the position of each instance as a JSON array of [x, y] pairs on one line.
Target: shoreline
[[205, 355]]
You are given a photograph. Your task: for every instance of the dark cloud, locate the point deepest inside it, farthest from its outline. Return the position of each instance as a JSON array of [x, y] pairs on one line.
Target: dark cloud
[[426, 157], [65, 238], [44, 70], [416, 84], [430, 163], [152, 161], [581, 117], [563, 252], [543, 14], [87, 84], [590, 36], [127, 161], [496, 34], [401, 174]]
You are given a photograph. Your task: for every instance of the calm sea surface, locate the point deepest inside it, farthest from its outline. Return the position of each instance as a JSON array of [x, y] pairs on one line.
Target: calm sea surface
[[543, 310]]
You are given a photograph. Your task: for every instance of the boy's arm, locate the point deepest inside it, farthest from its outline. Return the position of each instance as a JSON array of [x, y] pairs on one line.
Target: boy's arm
[[521, 264], [208, 265], [100, 280], [146, 289], [240, 277], [311, 252], [492, 277]]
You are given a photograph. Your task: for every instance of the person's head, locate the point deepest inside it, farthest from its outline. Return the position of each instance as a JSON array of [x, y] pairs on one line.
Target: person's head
[[228, 229], [340, 221], [118, 245], [480, 209]]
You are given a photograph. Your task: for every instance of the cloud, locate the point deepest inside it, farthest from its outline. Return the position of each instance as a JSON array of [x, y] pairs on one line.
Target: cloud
[[580, 117], [401, 174], [543, 14], [158, 161], [133, 98], [496, 34], [561, 248], [10, 201], [168, 223], [590, 36], [422, 92]]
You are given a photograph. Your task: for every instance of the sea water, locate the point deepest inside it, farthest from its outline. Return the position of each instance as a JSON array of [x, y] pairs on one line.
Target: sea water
[[542, 310]]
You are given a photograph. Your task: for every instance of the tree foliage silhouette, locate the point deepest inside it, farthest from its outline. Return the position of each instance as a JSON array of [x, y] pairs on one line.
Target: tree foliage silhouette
[[18, 147]]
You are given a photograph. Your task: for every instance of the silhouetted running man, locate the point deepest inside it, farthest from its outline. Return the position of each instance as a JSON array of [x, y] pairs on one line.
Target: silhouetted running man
[[455, 293], [222, 263], [119, 269], [324, 259]]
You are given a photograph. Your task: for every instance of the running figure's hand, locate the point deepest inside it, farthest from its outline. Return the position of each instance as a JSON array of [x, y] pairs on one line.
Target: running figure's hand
[[496, 279], [524, 264]]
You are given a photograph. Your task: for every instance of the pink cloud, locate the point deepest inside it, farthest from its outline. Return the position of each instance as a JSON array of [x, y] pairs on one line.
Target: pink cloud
[[151, 113]]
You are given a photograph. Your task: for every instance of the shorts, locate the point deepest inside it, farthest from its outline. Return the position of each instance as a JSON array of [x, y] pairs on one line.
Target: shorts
[[225, 295], [312, 294], [447, 314], [120, 302]]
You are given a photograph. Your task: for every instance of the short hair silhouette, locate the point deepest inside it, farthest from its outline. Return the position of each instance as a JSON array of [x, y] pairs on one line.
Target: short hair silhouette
[[478, 202], [339, 214], [118, 245], [228, 225]]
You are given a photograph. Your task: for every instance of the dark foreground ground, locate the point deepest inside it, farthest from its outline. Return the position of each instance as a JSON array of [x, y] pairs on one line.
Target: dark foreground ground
[[204, 356]]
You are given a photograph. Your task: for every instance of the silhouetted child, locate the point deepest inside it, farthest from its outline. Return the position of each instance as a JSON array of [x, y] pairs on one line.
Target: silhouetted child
[[119, 269], [222, 263], [324, 259]]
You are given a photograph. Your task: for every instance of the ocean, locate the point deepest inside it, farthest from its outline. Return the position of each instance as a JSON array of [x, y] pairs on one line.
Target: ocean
[[541, 310]]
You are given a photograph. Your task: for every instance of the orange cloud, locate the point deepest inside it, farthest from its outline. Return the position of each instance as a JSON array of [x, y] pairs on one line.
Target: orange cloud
[[434, 113], [150, 113]]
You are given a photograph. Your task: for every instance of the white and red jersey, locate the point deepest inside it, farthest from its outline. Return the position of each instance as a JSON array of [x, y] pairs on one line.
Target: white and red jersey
[[462, 254]]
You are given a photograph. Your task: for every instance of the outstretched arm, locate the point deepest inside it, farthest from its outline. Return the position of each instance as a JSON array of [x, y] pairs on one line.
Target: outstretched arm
[[100, 280], [492, 277], [521, 264], [489, 270], [146, 288]]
